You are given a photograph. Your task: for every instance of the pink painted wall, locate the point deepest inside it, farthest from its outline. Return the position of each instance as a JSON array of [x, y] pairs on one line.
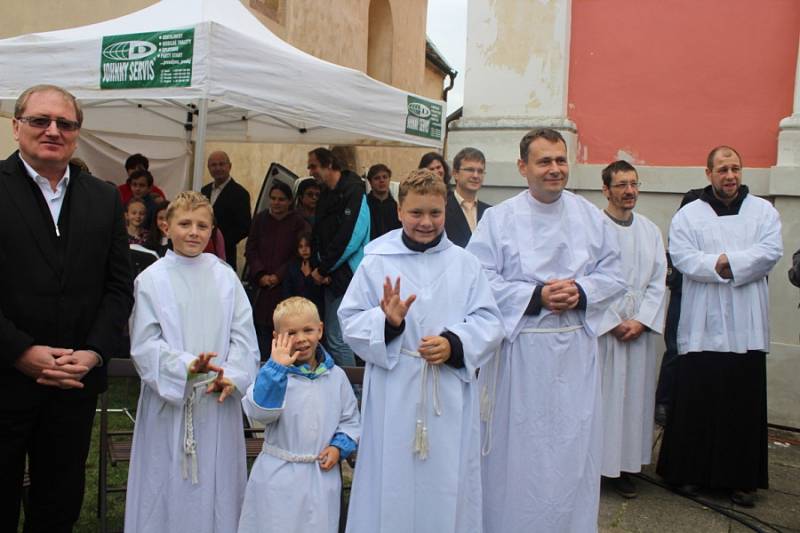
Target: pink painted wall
[[667, 80]]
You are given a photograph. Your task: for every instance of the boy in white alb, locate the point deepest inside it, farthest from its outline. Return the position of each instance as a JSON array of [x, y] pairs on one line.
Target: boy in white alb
[[311, 418], [418, 467], [188, 469]]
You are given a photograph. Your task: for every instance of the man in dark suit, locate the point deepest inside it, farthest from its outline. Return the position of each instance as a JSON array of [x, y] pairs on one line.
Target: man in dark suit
[[464, 210], [65, 296], [231, 204]]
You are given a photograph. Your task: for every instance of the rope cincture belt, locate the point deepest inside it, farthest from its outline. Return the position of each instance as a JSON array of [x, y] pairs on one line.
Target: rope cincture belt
[[489, 397], [288, 456], [189, 443], [421, 446]]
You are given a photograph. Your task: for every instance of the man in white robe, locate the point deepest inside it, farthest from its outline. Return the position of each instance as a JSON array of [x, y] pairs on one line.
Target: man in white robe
[[188, 468], [627, 350], [418, 467], [553, 264], [725, 244]]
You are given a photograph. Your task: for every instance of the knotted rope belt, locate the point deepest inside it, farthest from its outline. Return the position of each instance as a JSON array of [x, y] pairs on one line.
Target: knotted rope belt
[[421, 445], [288, 456], [189, 442]]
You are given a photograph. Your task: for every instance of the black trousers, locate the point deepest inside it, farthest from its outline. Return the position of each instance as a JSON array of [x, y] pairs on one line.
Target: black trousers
[[53, 429], [716, 433], [669, 363]]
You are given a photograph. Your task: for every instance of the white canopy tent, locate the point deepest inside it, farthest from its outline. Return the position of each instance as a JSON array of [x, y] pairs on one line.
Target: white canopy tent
[[246, 85]]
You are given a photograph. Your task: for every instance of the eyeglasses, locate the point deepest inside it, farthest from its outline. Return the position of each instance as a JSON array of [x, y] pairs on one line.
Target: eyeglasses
[[625, 185], [41, 123], [472, 170]]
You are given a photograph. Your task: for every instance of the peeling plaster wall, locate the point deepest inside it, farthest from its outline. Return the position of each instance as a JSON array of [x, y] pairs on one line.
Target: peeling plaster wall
[[522, 69], [666, 81]]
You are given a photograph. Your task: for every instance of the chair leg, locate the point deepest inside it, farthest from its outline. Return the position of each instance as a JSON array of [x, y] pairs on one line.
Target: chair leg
[[102, 470], [26, 493]]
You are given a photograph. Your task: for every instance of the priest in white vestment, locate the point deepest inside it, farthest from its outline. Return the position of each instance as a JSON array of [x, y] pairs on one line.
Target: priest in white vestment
[[554, 266], [418, 467], [725, 244], [627, 351], [188, 468]]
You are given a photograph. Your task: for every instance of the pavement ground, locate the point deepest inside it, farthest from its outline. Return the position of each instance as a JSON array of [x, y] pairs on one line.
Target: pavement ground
[[658, 509]]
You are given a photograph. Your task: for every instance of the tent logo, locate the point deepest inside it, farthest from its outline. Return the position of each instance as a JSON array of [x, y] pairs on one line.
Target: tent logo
[[129, 50], [419, 109], [424, 118]]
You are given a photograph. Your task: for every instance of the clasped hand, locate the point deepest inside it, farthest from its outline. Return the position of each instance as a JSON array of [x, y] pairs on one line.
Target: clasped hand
[[723, 267], [560, 295], [56, 367], [269, 280], [221, 384], [628, 330], [319, 279]]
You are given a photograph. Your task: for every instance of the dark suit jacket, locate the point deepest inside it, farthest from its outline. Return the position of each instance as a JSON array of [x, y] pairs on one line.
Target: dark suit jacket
[[455, 223], [69, 292], [232, 214]]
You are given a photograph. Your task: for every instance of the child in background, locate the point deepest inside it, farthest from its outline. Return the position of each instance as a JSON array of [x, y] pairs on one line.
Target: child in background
[[140, 183], [418, 465], [157, 239], [312, 421], [135, 214], [308, 193], [194, 346], [298, 280]]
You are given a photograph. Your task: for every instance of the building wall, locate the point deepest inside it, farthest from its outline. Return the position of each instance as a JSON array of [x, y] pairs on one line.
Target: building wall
[[663, 85], [30, 17]]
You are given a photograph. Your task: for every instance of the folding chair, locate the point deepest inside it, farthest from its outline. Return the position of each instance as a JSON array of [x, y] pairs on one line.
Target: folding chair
[[356, 376], [115, 446]]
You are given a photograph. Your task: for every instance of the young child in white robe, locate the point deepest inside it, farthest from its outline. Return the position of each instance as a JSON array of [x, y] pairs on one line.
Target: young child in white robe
[[312, 422], [418, 467], [194, 346]]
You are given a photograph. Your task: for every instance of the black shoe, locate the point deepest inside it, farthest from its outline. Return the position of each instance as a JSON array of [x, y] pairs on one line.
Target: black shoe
[[743, 498], [624, 486], [689, 489], [661, 414]]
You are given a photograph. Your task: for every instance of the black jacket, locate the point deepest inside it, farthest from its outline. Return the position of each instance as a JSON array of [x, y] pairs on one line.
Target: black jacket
[[232, 215], [73, 291], [338, 211], [383, 216], [455, 223]]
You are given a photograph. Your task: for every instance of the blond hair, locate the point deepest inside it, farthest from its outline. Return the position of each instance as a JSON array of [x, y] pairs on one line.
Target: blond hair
[[422, 181], [189, 201], [295, 305]]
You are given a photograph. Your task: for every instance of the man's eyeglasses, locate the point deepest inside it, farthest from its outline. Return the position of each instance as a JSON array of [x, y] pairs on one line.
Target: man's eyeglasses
[[625, 185], [472, 170], [41, 123]]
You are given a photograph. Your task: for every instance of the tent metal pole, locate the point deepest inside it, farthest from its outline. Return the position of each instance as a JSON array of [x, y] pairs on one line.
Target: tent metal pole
[[200, 144]]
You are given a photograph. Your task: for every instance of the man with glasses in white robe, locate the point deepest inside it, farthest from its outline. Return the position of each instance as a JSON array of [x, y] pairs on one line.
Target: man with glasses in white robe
[[627, 351]]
